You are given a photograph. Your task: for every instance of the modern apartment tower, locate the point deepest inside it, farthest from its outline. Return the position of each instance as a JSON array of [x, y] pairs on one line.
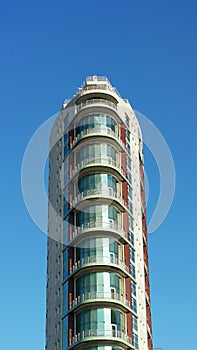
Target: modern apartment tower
[[98, 294]]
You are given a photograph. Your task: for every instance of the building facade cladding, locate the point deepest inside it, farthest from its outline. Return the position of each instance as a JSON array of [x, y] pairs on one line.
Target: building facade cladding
[[98, 294]]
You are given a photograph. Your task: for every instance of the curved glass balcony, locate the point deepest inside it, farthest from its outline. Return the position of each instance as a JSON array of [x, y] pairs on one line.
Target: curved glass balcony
[[96, 101], [107, 192], [96, 120], [98, 180], [100, 260], [98, 161], [104, 131], [99, 226], [94, 296], [102, 334]]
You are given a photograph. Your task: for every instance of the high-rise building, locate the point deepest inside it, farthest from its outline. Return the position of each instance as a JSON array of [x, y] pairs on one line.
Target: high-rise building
[[98, 294]]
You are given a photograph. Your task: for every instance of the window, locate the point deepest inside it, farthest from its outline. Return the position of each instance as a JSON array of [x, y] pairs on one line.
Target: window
[[97, 214], [96, 121], [99, 284], [132, 255], [66, 200], [66, 170], [66, 143], [98, 319], [97, 181], [131, 237], [132, 268], [135, 323], [128, 163], [130, 199], [133, 288], [98, 151], [65, 333], [134, 305], [135, 340], [103, 247], [127, 119], [65, 296]]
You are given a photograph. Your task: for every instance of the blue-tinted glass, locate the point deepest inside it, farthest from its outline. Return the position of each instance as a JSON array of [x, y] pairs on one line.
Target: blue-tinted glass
[[65, 333], [135, 323], [97, 181], [65, 298], [134, 305], [133, 288], [90, 319], [95, 121], [65, 264], [96, 281]]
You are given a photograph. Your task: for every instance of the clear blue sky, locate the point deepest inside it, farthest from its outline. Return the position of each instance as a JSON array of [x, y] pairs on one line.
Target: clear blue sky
[[148, 51]]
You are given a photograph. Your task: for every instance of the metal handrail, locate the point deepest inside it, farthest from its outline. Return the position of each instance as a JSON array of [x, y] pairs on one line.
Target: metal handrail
[[106, 192], [101, 130], [101, 333], [99, 295], [95, 86], [99, 259], [99, 225], [98, 160], [96, 100]]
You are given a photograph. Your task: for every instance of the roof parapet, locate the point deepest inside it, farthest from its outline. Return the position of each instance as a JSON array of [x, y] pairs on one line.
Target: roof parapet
[[97, 82]]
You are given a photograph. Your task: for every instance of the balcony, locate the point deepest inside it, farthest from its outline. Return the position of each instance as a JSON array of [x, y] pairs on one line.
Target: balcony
[[103, 192], [91, 261], [98, 161], [107, 297], [103, 131], [97, 101], [102, 227], [95, 86], [112, 335]]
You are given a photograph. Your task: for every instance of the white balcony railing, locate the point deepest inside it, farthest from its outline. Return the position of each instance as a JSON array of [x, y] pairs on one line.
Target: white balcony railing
[[103, 192], [98, 161], [96, 101], [103, 225], [99, 260], [98, 130], [99, 295], [94, 333]]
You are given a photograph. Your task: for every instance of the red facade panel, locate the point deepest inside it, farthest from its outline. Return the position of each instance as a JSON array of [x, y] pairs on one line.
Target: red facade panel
[[127, 255], [123, 133], [124, 163], [125, 222], [125, 192], [129, 325]]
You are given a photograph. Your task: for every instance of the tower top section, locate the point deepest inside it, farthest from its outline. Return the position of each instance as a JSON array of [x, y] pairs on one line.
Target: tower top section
[[97, 82], [95, 86]]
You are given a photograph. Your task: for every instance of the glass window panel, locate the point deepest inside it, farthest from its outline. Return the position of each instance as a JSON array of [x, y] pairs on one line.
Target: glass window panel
[[65, 299], [101, 318], [135, 323], [113, 316], [93, 324], [96, 121], [65, 333], [134, 305], [112, 213], [96, 150], [132, 255]]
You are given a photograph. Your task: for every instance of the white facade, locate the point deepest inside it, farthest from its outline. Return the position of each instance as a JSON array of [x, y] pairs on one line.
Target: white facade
[[96, 96]]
